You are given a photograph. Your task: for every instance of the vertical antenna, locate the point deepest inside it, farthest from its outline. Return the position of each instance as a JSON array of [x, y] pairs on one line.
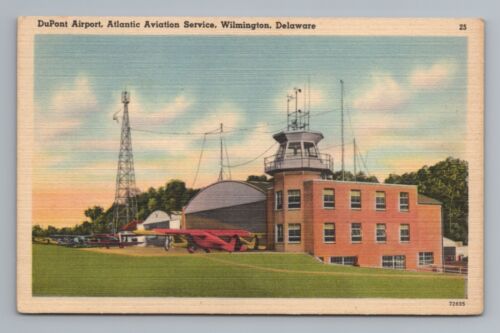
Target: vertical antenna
[[342, 125], [125, 204], [288, 99], [354, 143], [309, 93], [221, 172], [309, 99]]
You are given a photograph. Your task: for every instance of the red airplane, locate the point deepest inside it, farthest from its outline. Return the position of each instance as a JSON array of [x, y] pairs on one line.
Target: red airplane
[[207, 239]]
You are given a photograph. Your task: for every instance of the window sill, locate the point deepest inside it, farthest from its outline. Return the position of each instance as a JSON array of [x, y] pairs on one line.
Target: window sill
[[381, 242], [292, 209], [404, 242], [355, 208], [278, 209], [380, 209], [329, 208], [329, 242], [357, 242], [293, 242]]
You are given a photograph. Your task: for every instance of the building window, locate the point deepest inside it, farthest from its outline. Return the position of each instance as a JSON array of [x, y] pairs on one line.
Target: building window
[[356, 199], [381, 233], [404, 201], [328, 198], [425, 258], [404, 233], [356, 236], [294, 149], [329, 232], [279, 233], [279, 200], [395, 262], [353, 261], [310, 149], [380, 200], [293, 199], [294, 233]]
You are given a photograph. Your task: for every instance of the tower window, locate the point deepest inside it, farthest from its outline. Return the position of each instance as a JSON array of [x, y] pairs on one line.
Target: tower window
[[281, 152], [394, 262], [329, 232], [294, 233], [356, 199], [310, 149], [380, 200], [293, 199], [381, 233], [404, 201], [404, 233], [328, 198], [294, 149], [356, 235], [279, 233], [279, 200], [425, 258]]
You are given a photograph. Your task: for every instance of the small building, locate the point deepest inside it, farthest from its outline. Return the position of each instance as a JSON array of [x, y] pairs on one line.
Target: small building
[[454, 250], [161, 219], [229, 204], [158, 219]]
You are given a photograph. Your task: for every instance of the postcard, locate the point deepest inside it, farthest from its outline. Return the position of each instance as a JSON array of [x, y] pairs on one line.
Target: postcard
[[249, 165]]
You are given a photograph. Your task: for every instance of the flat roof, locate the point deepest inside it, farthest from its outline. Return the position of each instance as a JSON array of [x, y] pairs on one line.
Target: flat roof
[[425, 200], [361, 183]]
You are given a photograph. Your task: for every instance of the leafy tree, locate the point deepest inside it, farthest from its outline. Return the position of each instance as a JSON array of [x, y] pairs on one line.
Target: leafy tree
[[360, 177], [446, 181], [94, 213], [37, 231], [261, 178]]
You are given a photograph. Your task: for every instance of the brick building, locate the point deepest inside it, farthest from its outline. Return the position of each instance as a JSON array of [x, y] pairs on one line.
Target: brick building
[[304, 210], [353, 223]]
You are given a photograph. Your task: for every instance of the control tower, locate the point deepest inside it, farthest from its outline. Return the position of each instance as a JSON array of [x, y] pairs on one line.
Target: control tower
[[296, 164], [298, 146]]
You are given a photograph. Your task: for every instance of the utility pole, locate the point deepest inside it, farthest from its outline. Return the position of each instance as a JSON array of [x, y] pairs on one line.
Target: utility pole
[[354, 143], [221, 172], [288, 99], [342, 125], [125, 204]]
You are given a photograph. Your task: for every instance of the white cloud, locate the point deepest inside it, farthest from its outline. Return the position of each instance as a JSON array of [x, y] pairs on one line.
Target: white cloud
[[432, 77], [143, 117], [227, 113], [67, 110], [384, 94]]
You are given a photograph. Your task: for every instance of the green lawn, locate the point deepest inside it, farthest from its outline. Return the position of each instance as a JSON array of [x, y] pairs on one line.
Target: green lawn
[[59, 271]]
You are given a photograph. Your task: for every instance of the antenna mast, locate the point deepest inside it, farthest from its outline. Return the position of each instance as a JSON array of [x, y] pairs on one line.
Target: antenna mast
[[354, 143], [125, 204], [342, 124], [221, 172]]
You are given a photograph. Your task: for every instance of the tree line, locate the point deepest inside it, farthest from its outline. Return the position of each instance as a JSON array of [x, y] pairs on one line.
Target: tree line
[[170, 198], [446, 181]]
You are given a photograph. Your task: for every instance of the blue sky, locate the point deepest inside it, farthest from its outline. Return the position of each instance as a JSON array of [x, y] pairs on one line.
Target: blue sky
[[405, 101]]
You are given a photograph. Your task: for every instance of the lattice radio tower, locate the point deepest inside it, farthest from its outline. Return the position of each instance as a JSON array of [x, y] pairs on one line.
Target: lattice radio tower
[[125, 205]]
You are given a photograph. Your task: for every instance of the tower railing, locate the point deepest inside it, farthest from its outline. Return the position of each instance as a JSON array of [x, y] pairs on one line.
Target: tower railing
[[315, 162]]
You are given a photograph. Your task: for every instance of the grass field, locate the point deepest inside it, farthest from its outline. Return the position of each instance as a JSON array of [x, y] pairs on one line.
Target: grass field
[[59, 271]]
